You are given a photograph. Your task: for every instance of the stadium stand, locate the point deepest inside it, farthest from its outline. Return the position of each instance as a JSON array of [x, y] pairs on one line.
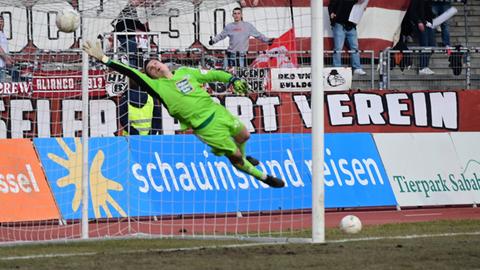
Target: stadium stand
[[444, 78]]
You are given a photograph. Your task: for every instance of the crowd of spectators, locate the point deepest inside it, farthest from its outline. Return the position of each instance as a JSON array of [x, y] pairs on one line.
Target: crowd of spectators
[[416, 27]]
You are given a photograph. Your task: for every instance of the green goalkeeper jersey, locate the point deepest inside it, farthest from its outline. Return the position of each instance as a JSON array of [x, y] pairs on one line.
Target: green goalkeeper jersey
[[183, 95]]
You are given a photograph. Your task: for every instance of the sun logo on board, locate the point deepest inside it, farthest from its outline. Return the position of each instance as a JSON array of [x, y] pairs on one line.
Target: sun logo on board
[[99, 185]]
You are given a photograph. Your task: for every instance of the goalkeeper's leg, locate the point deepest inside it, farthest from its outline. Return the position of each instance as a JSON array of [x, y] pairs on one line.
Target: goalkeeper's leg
[[218, 135], [241, 141], [241, 163]]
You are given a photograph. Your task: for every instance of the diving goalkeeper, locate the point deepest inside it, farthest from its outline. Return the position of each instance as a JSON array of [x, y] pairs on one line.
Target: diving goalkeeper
[[185, 99]]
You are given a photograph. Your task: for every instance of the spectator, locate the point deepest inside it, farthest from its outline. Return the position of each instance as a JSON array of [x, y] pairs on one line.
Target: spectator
[[127, 21], [343, 29], [438, 8], [137, 110], [5, 59], [421, 14], [401, 58], [238, 33]]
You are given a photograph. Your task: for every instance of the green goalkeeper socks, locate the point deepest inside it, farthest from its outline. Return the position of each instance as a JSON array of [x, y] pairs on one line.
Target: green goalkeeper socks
[[247, 167], [242, 146]]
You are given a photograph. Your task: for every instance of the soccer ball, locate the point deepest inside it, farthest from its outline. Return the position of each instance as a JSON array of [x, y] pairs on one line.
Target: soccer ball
[[68, 20], [350, 224]]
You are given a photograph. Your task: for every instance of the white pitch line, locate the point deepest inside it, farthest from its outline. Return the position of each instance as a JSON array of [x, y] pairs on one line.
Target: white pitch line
[[168, 250], [413, 236], [52, 255], [426, 214]]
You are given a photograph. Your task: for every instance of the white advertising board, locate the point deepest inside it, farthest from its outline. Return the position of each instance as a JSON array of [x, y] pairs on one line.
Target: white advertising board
[[425, 169], [337, 78], [467, 146], [299, 79], [291, 79]]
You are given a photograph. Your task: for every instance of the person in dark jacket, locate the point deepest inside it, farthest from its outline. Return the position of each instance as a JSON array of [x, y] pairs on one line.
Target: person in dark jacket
[[439, 7], [421, 15], [339, 12], [128, 22]]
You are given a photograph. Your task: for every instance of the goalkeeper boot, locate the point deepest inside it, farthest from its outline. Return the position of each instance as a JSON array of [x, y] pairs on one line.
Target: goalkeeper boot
[[274, 182], [252, 160]]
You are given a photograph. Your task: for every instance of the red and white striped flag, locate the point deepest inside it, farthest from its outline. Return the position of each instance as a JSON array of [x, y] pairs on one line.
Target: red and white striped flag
[[280, 54], [377, 30]]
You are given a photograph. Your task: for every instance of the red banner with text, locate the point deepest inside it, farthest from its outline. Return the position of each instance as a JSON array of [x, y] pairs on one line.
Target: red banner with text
[[345, 111]]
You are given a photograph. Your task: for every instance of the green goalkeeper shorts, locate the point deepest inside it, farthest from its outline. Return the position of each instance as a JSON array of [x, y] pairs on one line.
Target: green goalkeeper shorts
[[219, 133]]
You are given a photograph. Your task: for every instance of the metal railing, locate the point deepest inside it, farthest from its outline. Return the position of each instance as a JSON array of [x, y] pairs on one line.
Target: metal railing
[[446, 68], [367, 60], [453, 68]]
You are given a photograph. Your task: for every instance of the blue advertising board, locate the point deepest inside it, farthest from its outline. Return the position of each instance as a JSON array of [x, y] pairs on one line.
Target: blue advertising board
[[176, 174], [354, 172], [62, 161]]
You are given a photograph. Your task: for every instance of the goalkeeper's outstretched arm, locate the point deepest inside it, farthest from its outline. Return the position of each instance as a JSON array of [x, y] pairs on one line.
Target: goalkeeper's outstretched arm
[[145, 82], [240, 86]]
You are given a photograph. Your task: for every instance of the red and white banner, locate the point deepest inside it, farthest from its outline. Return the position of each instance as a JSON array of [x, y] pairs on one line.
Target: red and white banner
[[377, 30], [272, 17], [67, 83], [15, 89], [402, 111], [281, 54], [55, 117], [353, 111], [280, 112]]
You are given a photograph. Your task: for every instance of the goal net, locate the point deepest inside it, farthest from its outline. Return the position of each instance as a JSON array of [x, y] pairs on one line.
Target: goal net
[[150, 178]]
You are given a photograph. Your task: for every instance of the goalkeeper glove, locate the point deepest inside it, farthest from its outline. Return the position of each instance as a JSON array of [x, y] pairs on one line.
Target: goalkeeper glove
[[240, 86], [95, 51]]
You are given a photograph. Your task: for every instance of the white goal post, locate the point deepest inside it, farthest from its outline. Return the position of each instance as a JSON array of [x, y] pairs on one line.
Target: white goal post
[[318, 131]]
